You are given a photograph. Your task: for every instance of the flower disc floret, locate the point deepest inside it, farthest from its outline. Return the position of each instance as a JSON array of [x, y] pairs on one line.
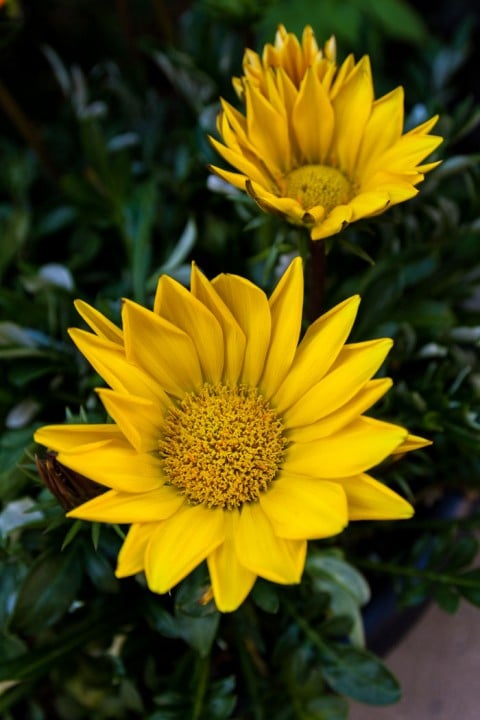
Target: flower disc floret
[[318, 185], [222, 446]]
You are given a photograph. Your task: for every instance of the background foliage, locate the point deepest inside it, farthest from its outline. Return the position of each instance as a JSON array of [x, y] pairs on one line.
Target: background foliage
[[105, 111]]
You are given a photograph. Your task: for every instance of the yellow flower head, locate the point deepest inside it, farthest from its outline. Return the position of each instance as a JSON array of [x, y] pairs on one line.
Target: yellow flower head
[[314, 145], [230, 442]]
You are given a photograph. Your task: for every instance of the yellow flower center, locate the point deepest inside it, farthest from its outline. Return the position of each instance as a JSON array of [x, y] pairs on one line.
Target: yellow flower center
[[313, 185], [222, 446]]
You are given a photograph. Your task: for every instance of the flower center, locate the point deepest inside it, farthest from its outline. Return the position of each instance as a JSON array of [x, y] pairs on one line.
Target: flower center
[[222, 446], [313, 185]]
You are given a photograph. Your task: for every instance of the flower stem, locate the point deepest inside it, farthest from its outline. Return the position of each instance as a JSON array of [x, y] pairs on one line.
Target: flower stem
[[249, 675], [316, 279], [393, 569], [202, 674]]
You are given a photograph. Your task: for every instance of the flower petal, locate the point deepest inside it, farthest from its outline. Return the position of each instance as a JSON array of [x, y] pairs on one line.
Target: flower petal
[[99, 323], [369, 499], [336, 221], [124, 507], [139, 420], [369, 203], [352, 106], [109, 360], [231, 581], [355, 364], [286, 304], [412, 442], [165, 352], [131, 558], [177, 305], [313, 130], [382, 130], [267, 130], [181, 543], [116, 465], [67, 437], [234, 337], [316, 353], [354, 449], [305, 508], [249, 306], [263, 552], [332, 423]]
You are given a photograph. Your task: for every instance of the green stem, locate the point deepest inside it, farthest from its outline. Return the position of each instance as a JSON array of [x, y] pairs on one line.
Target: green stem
[[314, 638], [249, 675], [317, 278], [202, 675], [393, 569]]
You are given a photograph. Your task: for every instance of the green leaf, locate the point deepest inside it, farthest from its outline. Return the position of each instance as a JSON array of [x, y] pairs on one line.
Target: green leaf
[[447, 598], [358, 674], [344, 574], [100, 571], [265, 595], [397, 18], [472, 594], [48, 591], [327, 708]]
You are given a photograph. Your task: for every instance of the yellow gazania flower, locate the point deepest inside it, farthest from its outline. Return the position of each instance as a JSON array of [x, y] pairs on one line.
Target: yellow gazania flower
[[314, 146], [229, 442]]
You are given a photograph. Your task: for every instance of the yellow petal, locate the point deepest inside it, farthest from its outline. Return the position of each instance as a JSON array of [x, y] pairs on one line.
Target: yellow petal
[[285, 207], [336, 221], [286, 304], [181, 543], [412, 442], [305, 508], [352, 106], [342, 74], [233, 122], [235, 179], [99, 323], [66, 437], [110, 362], [382, 130], [287, 90], [313, 120], [177, 305], [332, 423], [396, 185], [354, 449], [234, 337], [369, 499], [161, 349], [231, 581], [125, 507], [355, 364], [115, 465], [138, 419], [131, 558], [264, 553], [317, 352], [369, 203], [407, 152], [249, 306], [267, 131], [249, 167]]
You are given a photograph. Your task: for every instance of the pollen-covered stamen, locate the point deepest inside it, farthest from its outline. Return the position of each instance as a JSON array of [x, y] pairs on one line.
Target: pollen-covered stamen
[[314, 185], [222, 446]]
